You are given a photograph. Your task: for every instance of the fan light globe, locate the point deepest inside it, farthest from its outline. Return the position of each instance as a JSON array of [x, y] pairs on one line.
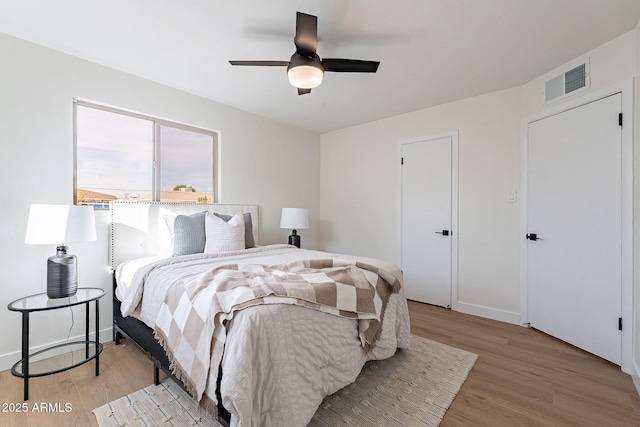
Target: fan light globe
[[305, 76]]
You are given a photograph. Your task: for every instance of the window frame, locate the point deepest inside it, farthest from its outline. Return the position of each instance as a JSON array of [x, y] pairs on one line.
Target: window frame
[[158, 123]]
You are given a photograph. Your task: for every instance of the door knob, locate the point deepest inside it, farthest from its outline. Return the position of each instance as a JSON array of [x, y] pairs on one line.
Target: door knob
[[533, 236], [443, 232]]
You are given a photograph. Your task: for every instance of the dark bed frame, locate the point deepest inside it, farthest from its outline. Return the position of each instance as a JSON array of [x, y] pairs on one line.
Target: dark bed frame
[[142, 336]]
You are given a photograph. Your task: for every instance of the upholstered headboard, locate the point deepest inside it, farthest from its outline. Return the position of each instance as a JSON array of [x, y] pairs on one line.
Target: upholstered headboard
[[139, 229]]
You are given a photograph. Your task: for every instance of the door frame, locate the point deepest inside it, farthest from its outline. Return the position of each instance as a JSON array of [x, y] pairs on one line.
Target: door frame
[[625, 88], [454, 204]]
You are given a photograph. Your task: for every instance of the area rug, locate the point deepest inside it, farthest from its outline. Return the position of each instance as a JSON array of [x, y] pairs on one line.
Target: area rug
[[413, 388]]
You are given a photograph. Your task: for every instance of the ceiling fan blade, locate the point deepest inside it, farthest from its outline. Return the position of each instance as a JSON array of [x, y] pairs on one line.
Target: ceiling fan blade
[[303, 91], [306, 39], [350, 65], [261, 63]]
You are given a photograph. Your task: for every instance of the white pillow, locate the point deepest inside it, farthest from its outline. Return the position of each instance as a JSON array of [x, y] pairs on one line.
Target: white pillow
[[223, 236]]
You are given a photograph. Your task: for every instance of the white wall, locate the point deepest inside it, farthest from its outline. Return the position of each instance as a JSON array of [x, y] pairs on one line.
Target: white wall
[[611, 63], [636, 288], [359, 184], [37, 86], [359, 193]]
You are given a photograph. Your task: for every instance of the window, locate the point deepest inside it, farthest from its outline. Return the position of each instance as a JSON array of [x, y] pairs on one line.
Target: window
[[126, 156]]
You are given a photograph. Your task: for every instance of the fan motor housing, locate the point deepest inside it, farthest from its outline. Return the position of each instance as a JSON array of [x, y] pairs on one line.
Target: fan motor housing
[[298, 60]]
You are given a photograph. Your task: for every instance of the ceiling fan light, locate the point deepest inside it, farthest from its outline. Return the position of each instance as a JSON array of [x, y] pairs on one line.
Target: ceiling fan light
[[305, 76]]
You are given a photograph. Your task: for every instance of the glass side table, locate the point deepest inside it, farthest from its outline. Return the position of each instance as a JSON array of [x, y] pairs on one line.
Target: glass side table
[[60, 357]]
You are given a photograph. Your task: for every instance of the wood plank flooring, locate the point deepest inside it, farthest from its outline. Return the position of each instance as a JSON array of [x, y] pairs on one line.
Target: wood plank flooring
[[522, 378], [123, 370]]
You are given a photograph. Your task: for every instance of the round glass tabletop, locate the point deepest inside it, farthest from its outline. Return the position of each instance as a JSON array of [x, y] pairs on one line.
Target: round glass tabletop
[[41, 302]]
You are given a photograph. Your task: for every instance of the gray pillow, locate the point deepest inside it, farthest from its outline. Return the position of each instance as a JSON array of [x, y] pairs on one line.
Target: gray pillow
[[249, 242], [189, 236]]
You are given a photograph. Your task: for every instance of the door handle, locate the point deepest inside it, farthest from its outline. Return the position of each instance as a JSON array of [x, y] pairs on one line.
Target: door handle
[[533, 237], [444, 232]]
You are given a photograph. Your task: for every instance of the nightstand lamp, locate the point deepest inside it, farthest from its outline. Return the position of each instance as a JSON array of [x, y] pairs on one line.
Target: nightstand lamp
[[59, 225], [295, 219]]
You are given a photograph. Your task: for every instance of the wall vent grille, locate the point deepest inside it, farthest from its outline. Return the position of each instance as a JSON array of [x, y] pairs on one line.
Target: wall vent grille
[[565, 84]]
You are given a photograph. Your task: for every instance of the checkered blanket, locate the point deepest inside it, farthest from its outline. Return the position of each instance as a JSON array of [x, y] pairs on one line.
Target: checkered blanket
[[190, 325]]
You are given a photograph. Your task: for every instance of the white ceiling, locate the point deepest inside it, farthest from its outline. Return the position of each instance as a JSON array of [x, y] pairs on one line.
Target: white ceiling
[[431, 51]]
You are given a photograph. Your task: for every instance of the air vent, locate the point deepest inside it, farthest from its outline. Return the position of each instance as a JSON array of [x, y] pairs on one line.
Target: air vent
[[565, 84]]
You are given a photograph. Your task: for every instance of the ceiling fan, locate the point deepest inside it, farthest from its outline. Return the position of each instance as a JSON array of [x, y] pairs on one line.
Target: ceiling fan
[[305, 69]]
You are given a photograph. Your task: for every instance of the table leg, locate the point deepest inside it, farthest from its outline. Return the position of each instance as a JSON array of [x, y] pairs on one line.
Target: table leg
[[25, 352], [97, 337], [86, 331]]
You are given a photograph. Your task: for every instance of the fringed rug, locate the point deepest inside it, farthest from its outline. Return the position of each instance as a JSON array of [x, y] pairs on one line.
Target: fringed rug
[[412, 388]]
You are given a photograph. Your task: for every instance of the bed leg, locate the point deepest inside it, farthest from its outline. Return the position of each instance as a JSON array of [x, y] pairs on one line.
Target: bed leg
[[117, 336], [156, 375]]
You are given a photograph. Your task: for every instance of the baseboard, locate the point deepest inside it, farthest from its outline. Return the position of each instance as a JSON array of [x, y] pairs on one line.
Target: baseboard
[[636, 377], [9, 359], [488, 312]]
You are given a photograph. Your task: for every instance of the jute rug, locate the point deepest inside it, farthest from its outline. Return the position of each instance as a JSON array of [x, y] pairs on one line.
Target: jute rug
[[412, 388]]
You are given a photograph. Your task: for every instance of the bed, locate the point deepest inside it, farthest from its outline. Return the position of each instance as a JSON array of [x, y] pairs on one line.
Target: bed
[[271, 355]]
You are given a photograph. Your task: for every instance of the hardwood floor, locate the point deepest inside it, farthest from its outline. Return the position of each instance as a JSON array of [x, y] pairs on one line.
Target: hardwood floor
[[522, 378], [123, 370]]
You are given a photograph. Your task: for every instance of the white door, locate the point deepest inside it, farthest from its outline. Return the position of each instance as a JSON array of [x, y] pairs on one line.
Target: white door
[[574, 222], [427, 220]]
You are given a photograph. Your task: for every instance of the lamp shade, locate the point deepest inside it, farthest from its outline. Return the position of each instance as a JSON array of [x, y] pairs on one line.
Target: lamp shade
[[58, 224], [294, 218]]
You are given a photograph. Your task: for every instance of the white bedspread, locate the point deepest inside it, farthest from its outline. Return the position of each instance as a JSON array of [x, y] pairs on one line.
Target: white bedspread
[[281, 360]]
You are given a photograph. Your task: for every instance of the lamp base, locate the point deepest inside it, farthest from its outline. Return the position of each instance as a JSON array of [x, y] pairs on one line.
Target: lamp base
[[294, 239], [62, 274]]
